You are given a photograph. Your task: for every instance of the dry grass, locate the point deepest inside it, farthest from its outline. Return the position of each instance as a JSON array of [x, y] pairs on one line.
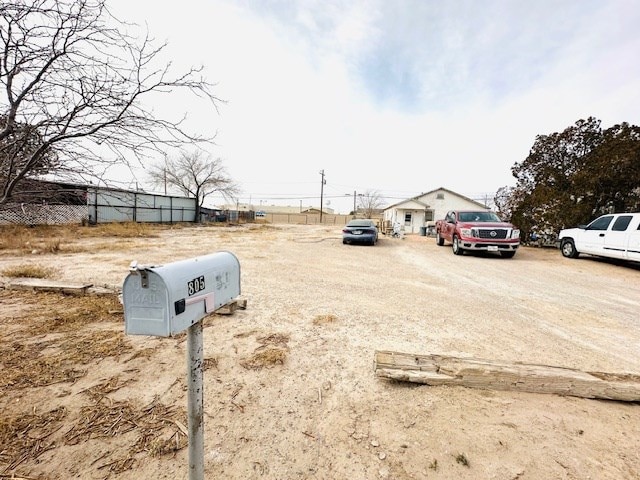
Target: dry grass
[[19, 239], [57, 346], [160, 428], [125, 230], [275, 339], [85, 349], [143, 353], [59, 340], [52, 246], [14, 237], [26, 367], [67, 313], [23, 240], [324, 319], [30, 365], [163, 430], [122, 245], [101, 420], [28, 270], [211, 362], [272, 351], [265, 231], [101, 390], [268, 357], [27, 436]]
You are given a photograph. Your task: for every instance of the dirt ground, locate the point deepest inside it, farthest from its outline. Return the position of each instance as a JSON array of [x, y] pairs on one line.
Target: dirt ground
[[79, 399]]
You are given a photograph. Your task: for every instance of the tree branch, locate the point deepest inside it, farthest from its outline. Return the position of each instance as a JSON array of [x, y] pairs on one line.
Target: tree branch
[[70, 71]]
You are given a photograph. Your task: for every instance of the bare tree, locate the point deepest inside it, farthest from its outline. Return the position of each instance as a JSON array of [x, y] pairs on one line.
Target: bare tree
[[370, 202], [194, 174], [505, 200], [73, 83]]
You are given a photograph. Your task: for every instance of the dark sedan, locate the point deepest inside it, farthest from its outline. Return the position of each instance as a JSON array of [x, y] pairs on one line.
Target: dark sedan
[[360, 231]]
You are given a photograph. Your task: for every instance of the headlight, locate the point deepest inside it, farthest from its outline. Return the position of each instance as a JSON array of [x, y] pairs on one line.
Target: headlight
[[465, 232], [515, 233]]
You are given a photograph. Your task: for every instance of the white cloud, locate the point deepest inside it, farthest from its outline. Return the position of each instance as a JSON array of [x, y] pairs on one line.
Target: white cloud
[[401, 97]]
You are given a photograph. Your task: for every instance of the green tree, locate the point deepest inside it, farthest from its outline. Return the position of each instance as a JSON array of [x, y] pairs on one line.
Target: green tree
[[572, 176], [545, 178], [610, 180]]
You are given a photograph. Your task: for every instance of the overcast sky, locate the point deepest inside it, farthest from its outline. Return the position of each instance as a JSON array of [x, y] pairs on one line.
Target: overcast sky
[[400, 97]]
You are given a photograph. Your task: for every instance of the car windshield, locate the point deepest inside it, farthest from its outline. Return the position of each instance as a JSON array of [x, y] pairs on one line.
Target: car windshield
[[360, 223], [479, 217]]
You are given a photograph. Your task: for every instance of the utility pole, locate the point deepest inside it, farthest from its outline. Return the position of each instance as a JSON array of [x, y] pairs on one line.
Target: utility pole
[[354, 204], [321, 192]]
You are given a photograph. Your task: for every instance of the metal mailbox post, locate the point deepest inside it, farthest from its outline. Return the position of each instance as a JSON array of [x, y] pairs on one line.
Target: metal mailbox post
[[167, 299]]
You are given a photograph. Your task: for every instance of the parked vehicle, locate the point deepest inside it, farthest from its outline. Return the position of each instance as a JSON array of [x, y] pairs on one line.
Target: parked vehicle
[[613, 236], [477, 230], [360, 231]]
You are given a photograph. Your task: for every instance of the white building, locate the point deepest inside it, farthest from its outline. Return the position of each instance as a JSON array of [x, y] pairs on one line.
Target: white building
[[423, 210]]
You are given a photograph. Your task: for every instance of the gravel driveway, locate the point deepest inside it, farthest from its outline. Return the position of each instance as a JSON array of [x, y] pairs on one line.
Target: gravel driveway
[[323, 414]]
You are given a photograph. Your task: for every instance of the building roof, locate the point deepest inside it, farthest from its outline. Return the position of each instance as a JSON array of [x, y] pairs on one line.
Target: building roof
[[418, 197]]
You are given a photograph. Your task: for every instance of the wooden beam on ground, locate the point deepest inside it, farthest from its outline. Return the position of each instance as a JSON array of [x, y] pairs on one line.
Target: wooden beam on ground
[[491, 375], [42, 285]]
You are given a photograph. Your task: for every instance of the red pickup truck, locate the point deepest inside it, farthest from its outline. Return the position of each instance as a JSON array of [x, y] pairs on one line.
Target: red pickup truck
[[477, 230]]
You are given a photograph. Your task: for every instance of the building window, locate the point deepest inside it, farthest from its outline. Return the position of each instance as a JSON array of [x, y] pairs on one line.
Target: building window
[[407, 218], [439, 196], [428, 215]]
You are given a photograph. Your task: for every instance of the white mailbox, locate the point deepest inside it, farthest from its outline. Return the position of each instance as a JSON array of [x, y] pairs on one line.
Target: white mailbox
[[166, 299]]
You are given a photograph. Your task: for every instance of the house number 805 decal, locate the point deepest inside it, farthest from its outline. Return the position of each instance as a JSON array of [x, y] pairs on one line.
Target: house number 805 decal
[[196, 285]]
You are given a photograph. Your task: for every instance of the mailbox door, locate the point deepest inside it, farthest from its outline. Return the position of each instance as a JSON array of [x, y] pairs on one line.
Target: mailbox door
[[146, 307]]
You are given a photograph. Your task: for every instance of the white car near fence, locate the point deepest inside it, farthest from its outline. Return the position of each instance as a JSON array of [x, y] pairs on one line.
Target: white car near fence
[[613, 236]]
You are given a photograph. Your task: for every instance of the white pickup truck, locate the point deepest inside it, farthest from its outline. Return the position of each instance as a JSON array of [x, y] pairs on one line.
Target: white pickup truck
[[614, 236]]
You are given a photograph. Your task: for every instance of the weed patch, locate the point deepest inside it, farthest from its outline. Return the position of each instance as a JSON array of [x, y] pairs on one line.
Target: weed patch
[[324, 319], [268, 357], [28, 270], [462, 459]]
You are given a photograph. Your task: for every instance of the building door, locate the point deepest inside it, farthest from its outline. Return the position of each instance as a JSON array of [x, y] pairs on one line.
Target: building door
[[408, 219]]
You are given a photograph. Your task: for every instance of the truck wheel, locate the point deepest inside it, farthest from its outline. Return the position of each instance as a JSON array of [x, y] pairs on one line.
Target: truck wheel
[[507, 254], [568, 248], [439, 240], [455, 246]]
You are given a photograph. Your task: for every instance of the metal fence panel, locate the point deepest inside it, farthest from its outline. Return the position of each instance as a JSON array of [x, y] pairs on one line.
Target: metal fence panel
[[121, 206]]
